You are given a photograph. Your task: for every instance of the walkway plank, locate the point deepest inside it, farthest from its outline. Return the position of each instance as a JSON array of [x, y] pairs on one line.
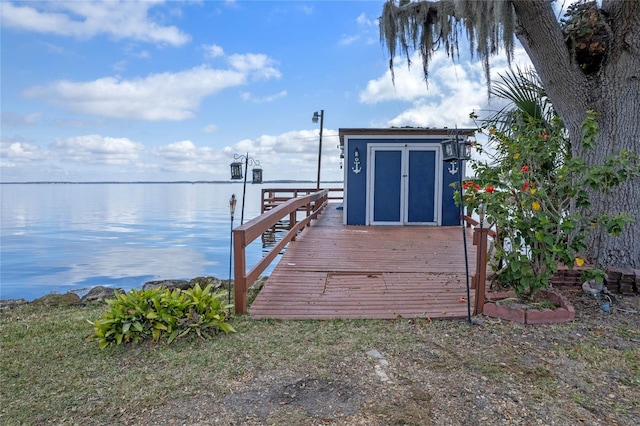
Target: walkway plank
[[338, 271]]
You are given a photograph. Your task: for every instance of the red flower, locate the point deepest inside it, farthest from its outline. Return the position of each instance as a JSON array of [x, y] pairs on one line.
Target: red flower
[[467, 184], [544, 136], [525, 186], [525, 168], [490, 189], [476, 187]]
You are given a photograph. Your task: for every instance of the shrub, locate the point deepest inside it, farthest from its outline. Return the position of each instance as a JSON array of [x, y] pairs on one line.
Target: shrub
[[536, 195], [162, 314]]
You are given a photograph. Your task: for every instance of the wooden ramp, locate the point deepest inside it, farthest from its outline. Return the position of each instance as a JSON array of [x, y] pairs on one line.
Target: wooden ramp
[[338, 271]]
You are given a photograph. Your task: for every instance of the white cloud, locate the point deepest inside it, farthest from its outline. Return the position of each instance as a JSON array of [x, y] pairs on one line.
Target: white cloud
[[143, 54], [85, 19], [247, 96], [453, 91], [409, 83], [166, 96], [185, 156], [120, 66], [96, 149], [212, 51], [257, 64], [293, 154], [210, 128], [367, 31], [364, 21], [346, 40], [9, 118], [16, 150]]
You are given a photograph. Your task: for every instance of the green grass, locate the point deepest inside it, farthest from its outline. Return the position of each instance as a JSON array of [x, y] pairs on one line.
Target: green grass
[[51, 372]]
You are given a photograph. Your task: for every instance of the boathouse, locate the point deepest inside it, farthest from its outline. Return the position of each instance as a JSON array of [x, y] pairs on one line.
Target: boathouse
[[396, 176]]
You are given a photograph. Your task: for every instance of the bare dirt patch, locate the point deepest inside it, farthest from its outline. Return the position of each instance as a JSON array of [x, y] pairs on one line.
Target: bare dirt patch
[[447, 372]]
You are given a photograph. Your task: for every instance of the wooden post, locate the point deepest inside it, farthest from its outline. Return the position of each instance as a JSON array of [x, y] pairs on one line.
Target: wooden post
[[293, 219], [480, 239], [240, 280]]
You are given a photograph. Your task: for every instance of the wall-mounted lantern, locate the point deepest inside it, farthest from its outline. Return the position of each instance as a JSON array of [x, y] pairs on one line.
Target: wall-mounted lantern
[[341, 148]]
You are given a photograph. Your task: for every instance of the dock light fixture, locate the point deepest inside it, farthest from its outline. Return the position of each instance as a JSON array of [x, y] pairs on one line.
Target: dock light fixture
[[456, 151], [236, 173], [257, 175], [315, 118], [236, 170]]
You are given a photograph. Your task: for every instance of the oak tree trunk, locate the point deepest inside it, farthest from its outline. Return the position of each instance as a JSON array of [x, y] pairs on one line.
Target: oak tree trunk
[[613, 91]]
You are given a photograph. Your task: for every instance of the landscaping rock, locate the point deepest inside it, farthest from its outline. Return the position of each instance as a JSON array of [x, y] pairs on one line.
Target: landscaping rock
[[216, 283], [65, 299], [100, 294], [169, 284], [11, 303]]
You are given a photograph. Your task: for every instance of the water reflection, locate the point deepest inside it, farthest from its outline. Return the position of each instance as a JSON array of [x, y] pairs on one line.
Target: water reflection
[[56, 237], [274, 235]]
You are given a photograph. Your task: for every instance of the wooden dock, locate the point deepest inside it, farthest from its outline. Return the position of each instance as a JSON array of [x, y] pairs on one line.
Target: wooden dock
[[333, 270]]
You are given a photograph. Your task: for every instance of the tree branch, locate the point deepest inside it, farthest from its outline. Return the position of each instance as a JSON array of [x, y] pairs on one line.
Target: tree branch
[[542, 38]]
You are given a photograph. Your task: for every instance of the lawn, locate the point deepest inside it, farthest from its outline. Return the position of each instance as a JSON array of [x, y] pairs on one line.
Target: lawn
[[335, 372]]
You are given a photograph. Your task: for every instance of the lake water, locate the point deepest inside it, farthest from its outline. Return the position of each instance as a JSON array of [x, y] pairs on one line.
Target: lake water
[[56, 238]]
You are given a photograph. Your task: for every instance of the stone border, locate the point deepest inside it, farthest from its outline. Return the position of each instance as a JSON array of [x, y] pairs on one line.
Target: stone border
[[565, 311]]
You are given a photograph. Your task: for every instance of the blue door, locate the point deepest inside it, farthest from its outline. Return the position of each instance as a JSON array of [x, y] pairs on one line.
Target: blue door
[[403, 185], [421, 196], [387, 186]]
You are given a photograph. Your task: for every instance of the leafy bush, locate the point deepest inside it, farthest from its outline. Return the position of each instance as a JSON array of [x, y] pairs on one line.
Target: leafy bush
[[536, 195], [162, 314]]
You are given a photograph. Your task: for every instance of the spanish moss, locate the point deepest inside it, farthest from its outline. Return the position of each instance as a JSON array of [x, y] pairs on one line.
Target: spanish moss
[[425, 26]]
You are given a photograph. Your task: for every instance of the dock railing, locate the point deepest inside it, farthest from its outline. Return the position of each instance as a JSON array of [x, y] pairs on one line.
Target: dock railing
[[273, 197], [313, 203], [481, 239]]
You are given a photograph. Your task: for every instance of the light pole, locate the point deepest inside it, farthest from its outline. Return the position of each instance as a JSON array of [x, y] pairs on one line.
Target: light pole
[[232, 210], [236, 173], [315, 120], [459, 151]]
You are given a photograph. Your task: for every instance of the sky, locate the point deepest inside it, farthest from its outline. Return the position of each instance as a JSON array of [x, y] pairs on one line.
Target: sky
[[172, 90]]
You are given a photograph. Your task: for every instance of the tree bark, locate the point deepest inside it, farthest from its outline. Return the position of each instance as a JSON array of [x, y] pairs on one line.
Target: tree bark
[[614, 92]]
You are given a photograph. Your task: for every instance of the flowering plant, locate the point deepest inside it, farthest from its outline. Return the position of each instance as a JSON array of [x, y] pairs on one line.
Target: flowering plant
[[535, 194]]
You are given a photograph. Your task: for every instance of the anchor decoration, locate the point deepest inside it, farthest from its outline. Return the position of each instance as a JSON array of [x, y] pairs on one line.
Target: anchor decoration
[[453, 168], [356, 162]]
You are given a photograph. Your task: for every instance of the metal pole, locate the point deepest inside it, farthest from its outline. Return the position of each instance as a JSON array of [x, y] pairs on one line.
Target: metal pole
[[478, 274], [464, 236], [244, 189], [230, 257], [320, 145]]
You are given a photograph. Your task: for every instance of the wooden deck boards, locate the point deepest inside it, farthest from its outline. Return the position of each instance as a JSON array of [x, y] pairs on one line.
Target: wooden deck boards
[[338, 271]]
